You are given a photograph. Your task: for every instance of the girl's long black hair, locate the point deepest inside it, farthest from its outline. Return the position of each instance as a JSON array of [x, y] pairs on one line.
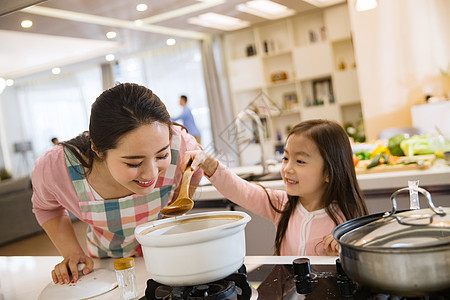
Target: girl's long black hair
[[342, 188]]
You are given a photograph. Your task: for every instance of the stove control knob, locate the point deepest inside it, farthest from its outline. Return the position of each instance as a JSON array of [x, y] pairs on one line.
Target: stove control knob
[[304, 285], [346, 286], [339, 269], [302, 278], [302, 266]]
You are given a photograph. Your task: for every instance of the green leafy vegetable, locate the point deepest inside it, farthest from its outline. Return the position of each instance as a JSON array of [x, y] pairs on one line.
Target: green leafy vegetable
[[416, 145], [363, 155], [394, 144]]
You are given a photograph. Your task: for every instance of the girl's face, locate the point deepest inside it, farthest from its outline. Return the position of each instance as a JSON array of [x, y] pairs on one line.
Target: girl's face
[[303, 168], [140, 156]]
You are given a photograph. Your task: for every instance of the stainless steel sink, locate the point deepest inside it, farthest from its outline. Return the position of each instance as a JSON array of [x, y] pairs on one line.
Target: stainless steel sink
[[261, 177]]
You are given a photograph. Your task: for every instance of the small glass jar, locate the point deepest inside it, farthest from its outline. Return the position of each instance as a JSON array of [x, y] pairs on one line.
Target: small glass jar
[[126, 277]]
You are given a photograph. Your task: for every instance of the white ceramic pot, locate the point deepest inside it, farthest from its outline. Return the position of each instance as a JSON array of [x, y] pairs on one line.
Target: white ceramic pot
[[194, 249]]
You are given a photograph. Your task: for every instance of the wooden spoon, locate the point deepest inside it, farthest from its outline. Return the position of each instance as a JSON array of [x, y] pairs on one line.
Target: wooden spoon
[[183, 203]]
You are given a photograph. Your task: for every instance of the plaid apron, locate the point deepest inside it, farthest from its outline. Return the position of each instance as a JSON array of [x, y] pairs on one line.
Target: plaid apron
[[111, 223]]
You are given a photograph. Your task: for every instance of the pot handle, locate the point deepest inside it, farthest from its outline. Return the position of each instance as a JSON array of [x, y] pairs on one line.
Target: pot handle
[[438, 211]]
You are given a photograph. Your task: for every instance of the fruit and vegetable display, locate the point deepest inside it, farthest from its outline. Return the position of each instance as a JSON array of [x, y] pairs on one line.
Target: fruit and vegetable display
[[401, 152]]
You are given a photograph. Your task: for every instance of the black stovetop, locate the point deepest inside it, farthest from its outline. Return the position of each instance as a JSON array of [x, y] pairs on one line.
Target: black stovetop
[[279, 282]]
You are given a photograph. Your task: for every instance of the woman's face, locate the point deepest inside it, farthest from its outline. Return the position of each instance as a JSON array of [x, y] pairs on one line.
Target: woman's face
[[140, 156], [303, 168]]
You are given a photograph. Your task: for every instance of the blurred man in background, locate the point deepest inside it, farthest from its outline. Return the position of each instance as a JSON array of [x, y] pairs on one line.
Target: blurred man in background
[[187, 119]]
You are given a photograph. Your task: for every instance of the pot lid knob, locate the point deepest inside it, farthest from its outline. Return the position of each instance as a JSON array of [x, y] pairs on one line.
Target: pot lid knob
[[302, 266]]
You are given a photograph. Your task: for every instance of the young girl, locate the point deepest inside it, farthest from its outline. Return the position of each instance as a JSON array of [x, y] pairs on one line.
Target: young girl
[[114, 178], [321, 188]]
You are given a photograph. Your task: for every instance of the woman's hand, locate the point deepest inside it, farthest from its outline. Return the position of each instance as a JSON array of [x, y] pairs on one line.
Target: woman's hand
[[61, 271], [330, 245], [200, 159]]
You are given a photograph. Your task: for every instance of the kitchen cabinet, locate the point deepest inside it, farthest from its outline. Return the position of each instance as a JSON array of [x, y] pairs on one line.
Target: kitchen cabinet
[[430, 116], [303, 67]]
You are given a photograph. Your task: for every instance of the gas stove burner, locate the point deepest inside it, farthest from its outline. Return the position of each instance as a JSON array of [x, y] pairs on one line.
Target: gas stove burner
[[232, 287]]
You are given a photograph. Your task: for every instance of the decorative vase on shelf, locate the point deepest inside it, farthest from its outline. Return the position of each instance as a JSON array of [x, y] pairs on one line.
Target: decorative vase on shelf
[[323, 33], [251, 50], [342, 65]]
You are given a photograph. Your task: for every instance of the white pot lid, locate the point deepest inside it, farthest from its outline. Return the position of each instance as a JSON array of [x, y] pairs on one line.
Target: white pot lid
[[191, 229], [97, 282]]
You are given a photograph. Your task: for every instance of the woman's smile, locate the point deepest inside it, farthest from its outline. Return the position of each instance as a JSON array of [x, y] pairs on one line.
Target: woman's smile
[[144, 183], [137, 161]]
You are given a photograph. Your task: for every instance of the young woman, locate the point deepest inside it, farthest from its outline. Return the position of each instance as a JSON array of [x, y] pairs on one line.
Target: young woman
[[321, 188], [115, 177]]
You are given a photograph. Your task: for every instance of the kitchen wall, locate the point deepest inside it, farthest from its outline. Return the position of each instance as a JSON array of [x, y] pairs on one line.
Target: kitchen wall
[[11, 128], [400, 48], [41, 107]]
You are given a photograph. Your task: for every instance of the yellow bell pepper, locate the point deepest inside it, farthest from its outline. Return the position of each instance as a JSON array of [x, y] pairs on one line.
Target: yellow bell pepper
[[380, 149]]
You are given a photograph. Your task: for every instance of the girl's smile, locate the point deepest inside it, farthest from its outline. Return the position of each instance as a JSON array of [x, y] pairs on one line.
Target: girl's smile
[[290, 181]]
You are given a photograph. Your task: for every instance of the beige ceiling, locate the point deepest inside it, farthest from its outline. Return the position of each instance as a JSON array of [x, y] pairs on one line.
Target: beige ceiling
[[65, 32]]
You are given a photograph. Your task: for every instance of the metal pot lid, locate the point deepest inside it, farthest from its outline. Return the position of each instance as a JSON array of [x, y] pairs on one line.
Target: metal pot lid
[[410, 229]]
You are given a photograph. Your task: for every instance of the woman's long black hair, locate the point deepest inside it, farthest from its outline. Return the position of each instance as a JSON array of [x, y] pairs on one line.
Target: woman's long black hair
[[116, 112]]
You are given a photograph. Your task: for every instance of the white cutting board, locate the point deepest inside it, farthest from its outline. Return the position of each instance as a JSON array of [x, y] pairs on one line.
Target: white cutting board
[[97, 282]]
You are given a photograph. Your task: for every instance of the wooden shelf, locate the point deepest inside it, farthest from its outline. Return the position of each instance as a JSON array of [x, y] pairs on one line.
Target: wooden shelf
[[307, 47], [279, 83], [294, 110], [276, 53]]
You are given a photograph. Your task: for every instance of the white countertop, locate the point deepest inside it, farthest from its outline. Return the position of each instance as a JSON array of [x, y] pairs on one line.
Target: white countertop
[[24, 277], [437, 175]]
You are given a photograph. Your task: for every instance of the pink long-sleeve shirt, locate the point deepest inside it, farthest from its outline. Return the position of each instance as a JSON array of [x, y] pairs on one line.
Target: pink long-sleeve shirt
[[305, 231]]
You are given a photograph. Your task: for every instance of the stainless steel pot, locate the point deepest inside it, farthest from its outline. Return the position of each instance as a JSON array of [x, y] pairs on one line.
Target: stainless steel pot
[[401, 253]]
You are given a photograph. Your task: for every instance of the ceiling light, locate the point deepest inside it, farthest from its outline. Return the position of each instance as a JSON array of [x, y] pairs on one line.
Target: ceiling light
[[171, 42], [26, 23], [362, 5], [265, 9], [138, 22], [217, 21], [324, 3], [141, 7], [110, 57], [131, 68], [9, 82], [111, 34], [56, 71]]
